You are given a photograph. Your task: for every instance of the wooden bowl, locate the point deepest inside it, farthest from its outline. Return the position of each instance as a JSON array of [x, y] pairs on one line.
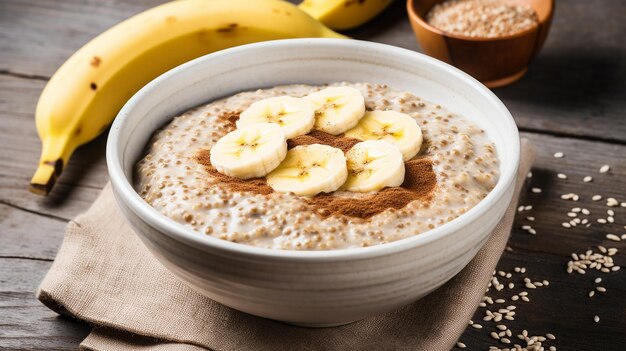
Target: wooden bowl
[[493, 61]]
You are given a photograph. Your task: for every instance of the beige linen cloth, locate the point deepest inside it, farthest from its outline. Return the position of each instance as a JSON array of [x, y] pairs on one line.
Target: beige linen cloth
[[105, 276]]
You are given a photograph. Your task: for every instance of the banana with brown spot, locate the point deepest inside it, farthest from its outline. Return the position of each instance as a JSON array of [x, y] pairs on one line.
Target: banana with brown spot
[[82, 98]]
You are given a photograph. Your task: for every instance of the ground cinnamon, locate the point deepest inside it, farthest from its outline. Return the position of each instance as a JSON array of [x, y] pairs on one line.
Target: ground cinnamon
[[319, 137], [257, 185], [229, 120], [419, 181]]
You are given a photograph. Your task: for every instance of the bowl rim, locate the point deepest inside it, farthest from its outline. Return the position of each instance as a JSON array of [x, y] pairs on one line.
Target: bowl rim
[[165, 226], [414, 17]]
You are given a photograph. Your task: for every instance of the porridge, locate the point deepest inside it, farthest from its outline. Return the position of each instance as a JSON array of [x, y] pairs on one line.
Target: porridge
[[302, 167]]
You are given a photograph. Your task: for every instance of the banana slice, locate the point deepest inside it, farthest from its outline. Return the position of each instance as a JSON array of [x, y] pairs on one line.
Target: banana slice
[[337, 109], [294, 115], [309, 170], [250, 152], [373, 165], [397, 128]]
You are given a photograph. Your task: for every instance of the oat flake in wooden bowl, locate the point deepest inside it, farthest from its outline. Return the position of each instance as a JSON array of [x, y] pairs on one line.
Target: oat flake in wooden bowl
[[492, 40], [482, 18]]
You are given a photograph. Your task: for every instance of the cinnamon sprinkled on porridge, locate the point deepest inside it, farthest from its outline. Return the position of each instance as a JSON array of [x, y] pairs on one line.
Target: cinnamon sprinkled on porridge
[[419, 183], [456, 167], [318, 137]]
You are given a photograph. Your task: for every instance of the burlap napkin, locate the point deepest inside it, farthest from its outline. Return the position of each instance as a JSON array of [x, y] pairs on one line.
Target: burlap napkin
[[105, 276]]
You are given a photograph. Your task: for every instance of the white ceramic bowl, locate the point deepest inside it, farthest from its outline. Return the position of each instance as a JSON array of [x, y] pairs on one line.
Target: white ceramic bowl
[[312, 287]]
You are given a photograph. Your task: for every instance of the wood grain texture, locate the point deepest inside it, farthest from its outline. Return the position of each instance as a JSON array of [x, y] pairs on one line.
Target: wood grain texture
[[545, 256], [576, 87], [563, 308], [29, 235], [25, 324], [81, 179], [37, 36], [575, 80]]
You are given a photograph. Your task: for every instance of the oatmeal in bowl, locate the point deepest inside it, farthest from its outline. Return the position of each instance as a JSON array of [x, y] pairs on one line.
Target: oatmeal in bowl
[[251, 187], [399, 166]]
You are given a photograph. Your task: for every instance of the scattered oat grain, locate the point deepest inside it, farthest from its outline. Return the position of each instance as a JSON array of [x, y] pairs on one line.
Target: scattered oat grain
[[613, 237]]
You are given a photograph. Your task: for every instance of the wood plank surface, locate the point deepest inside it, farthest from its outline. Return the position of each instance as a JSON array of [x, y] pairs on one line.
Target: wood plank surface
[[37, 36], [29, 235], [572, 100], [82, 178], [575, 80], [576, 85], [562, 308], [25, 324]]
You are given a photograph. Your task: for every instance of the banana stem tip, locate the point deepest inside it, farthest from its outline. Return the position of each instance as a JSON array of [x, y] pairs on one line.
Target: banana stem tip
[[45, 177]]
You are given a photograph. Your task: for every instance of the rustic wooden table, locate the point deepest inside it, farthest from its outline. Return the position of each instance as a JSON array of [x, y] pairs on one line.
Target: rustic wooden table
[[573, 100]]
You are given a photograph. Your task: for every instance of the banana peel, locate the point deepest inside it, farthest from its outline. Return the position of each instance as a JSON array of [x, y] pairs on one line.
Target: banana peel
[[83, 97], [344, 14]]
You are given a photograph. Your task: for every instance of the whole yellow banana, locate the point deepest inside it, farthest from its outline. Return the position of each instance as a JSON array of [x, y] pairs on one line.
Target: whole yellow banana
[[344, 14], [82, 98]]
